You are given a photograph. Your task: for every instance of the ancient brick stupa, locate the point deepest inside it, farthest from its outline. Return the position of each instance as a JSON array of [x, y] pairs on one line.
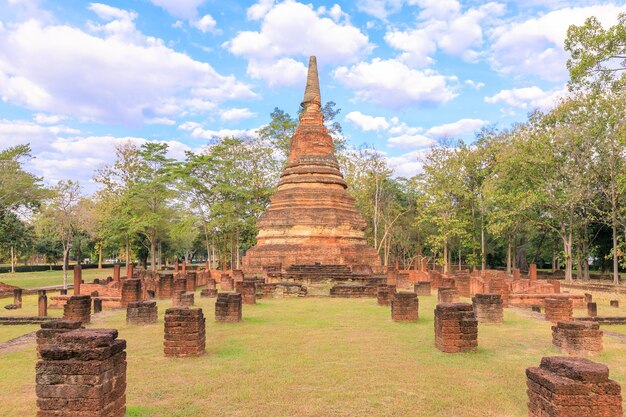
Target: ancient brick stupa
[[311, 218]]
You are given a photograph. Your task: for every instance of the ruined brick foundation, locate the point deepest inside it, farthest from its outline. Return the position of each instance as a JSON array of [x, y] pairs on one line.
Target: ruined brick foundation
[[78, 308], [142, 312], [456, 328], [488, 308], [404, 306], [577, 337], [228, 308], [185, 333]]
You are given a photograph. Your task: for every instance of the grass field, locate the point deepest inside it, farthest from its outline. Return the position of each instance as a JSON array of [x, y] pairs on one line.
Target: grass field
[[317, 357], [49, 278]]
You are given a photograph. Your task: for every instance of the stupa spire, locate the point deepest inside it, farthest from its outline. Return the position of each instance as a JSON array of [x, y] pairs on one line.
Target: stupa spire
[[312, 90]]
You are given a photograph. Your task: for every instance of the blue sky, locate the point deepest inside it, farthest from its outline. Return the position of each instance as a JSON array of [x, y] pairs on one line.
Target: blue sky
[[76, 77]]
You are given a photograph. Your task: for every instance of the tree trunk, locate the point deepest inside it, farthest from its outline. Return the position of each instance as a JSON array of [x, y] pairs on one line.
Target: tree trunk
[[567, 248], [127, 251], [153, 252], [445, 256], [508, 256], [99, 255], [12, 259], [615, 262], [66, 261], [483, 261]]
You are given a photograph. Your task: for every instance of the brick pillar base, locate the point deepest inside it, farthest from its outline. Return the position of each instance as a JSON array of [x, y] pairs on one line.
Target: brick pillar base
[[228, 308], [456, 328], [488, 308], [572, 387], [183, 299], [131, 291], [447, 295], [83, 374], [248, 292], [42, 303], [404, 306], [47, 335], [142, 312], [577, 337], [184, 332], [78, 307], [592, 309], [422, 288], [166, 282], [383, 297], [226, 283], [559, 309]]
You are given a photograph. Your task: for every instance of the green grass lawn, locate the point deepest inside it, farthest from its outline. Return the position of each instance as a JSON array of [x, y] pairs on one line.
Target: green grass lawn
[[49, 278], [318, 357]]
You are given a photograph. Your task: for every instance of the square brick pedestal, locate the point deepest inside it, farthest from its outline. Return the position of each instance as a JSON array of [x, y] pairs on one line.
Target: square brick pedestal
[[422, 288], [82, 374], [577, 337], [142, 312], [559, 309], [131, 291], [404, 306], [248, 292], [78, 307], [228, 308], [456, 328], [184, 332], [572, 387], [447, 295], [488, 308]]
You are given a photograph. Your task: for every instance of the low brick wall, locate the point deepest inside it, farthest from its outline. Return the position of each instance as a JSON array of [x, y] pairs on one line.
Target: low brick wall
[[404, 306], [572, 387], [142, 312], [208, 293], [456, 328], [82, 374], [577, 337], [281, 290], [78, 307], [185, 333], [166, 286], [226, 283], [131, 291], [353, 291], [228, 308], [248, 292], [488, 308]]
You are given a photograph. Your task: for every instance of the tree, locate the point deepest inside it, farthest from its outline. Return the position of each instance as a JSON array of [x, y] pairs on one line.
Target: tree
[[16, 238], [19, 189], [598, 55], [59, 218]]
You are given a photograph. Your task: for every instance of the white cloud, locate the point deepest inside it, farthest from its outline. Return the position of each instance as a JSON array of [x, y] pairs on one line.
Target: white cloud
[[367, 123], [120, 77], [182, 9], [47, 119], [107, 12], [442, 25], [393, 84], [459, 128], [206, 24], [475, 85], [410, 141], [236, 115], [534, 47], [284, 72], [258, 10], [336, 13], [197, 131], [290, 30], [409, 164], [380, 9], [528, 97]]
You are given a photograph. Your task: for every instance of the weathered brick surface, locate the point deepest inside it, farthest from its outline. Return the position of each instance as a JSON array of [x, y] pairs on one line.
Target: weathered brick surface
[[17, 297], [184, 332], [384, 292], [166, 286], [82, 375], [131, 291], [180, 284], [404, 306], [191, 281], [208, 292], [488, 308], [183, 299], [47, 335], [248, 292], [353, 291], [558, 309], [281, 290], [226, 283], [422, 288], [447, 295], [142, 312], [97, 305], [78, 279], [456, 328], [78, 307], [577, 337], [614, 303], [228, 307], [572, 387]]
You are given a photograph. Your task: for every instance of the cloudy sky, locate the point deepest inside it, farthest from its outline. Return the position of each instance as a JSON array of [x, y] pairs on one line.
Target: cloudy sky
[[78, 77]]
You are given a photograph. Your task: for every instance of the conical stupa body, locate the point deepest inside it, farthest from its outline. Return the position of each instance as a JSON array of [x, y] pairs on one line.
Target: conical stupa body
[[311, 218]]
